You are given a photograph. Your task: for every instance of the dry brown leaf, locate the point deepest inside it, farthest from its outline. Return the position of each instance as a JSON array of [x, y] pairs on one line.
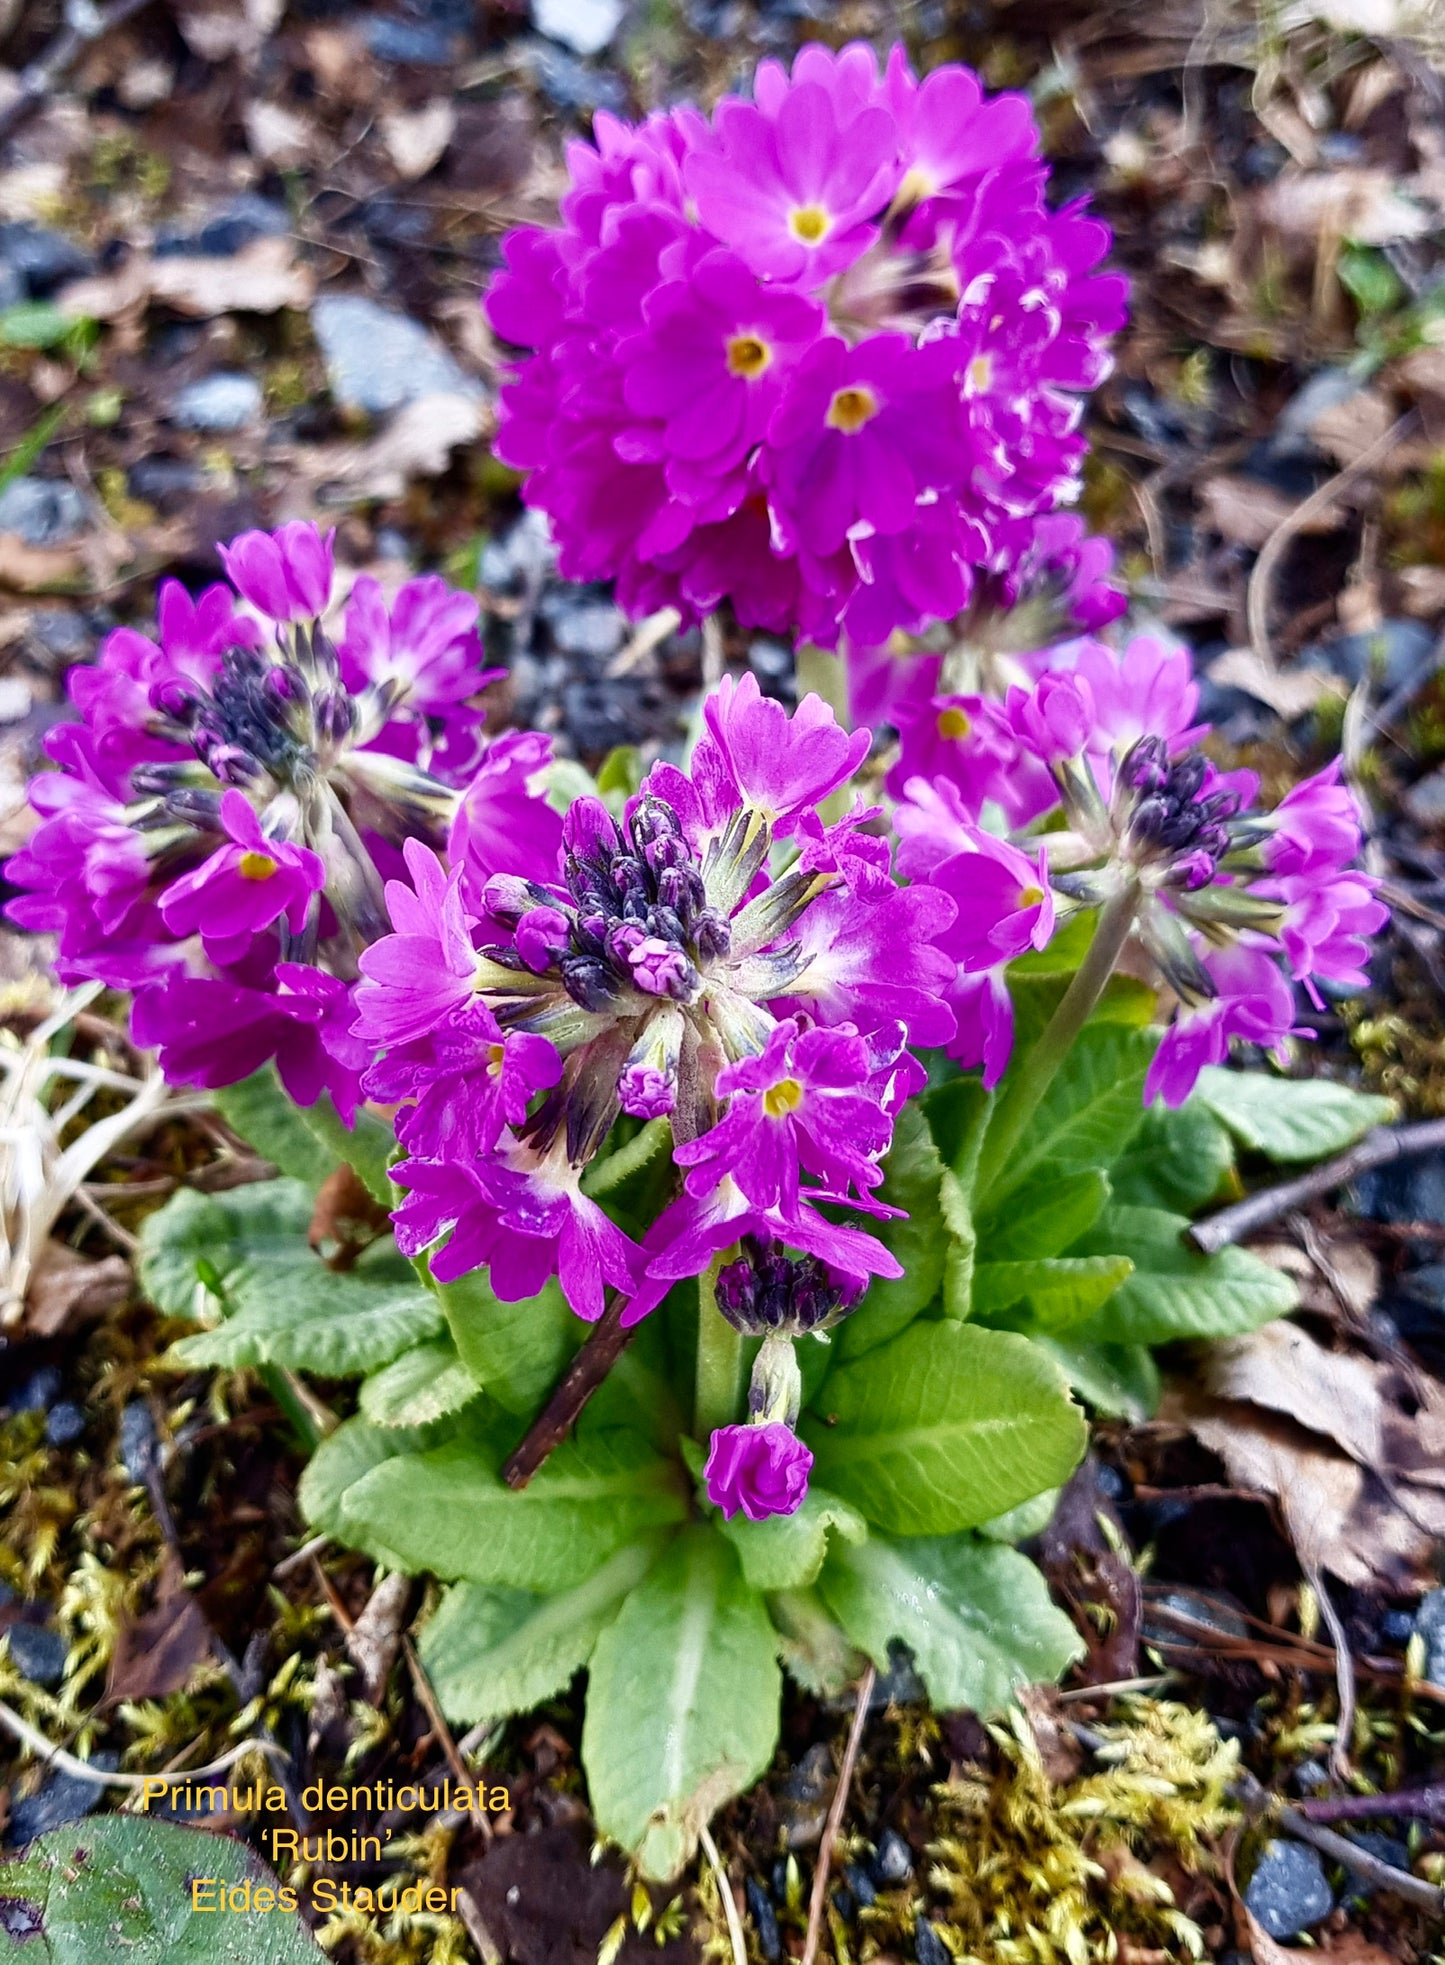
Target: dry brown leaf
[[277, 135], [416, 443], [227, 30], [1246, 512], [67, 1289], [416, 139], [37, 569], [1345, 431], [1364, 205], [1290, 693], [155, 1655], [375, 1638], [260, 279], [1337, 1393]]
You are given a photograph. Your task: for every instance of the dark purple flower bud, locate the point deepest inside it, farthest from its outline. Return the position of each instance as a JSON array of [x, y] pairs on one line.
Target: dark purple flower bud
[[766, 1290], [542, 935], [334, 715], [507, 897], [286, 685], [589, 981], [176, 700], [231, 764], [761, 1469]]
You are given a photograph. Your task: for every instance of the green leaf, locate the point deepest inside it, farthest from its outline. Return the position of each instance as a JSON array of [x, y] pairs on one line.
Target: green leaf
[[961, 1247], [367, 1146], [976, 1616], [1060, 1290], [196, 1237], [1090, 1112], [785, 1552], [1043, 1218], [493, 1652], [342, 1459], [1175, 1291], [1290, 1118], [1028, 1519], [262, 1114], [912, 1173], [944, 1427], [1179, 1158], [448, 1509], [813, 1650], [120, 1886], [35, 324], [682, 1703], [1119, 1380], [620, 775], [958, 1112], [1369, 279], [422, 1385], [517, 1350]]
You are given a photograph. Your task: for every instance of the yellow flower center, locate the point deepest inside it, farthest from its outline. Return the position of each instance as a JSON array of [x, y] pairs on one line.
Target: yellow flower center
[[916, 186], [954, 725], [979, 374], [495, 1054], [257, 866], [808, 224], [850, 409], [1030, 896], [781, 1099], [748, 355]]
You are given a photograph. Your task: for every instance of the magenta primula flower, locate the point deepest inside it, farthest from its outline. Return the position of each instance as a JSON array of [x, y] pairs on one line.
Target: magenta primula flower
[[1005, 902], [243, 887], [1315, 827], [1251, 1000], [804, 1102], [820, 357], [762, 1470], [462, 1084], [779, 764], [232, 792]]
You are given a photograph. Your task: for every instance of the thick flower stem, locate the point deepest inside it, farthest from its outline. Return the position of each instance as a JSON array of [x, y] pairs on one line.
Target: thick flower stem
[[609, 1338], [719, 1359], [1029, 1084]]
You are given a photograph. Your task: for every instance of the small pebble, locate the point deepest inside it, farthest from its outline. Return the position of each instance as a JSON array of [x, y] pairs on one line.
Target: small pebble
[[584, 26], [138, 1441], [60, 633], [1385, 1849], [39, 1390], [928, 1947], [1397, 1627], [408, 43], [765, 1920], [12, 287], [893, 1863], [860, 1883], [571, 84], [42, 511], [37, 1652], [43, 260], [64, 1423], [591, 632], [1288, 1891], [377, 359], [164, 482], [1430, 1626], [63, 1799], [218, 403]]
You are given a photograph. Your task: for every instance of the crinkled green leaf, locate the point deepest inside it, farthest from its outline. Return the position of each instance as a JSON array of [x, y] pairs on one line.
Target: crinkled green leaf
[[1290, 1118], [814, 1651], [682, 1703], [491, 1652], [1119, 1380], [341, 1460], [1028, 1519], [1044, 1217], [912, 1173], [259, 1110], [944, 1427], [1175, 1291], [517, 1350], [242, 1256], [1088, 1115], [120, 1887], [962, 1249], [958, 1112], [423, 1384], [785, 1552], [1179, 1158], [448, 1509], [976, 1616], [1058, 1291]]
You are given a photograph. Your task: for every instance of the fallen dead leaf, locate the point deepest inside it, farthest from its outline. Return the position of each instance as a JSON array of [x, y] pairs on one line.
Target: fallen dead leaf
[[1337, 1393], [37, 569], [1365, 205], [1345, 431], [260, 279], [375, 1638], [228, 30], [1246, 512], [156, 1654], [1290, 693], [416, 443], [416, 139], [347, 1219], [67, 1289], [277, 135]]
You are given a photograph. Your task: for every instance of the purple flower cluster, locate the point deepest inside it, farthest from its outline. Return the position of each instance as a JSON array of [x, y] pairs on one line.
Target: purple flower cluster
[[720, 958], [1086, 779], [233, 792], [820, 356]]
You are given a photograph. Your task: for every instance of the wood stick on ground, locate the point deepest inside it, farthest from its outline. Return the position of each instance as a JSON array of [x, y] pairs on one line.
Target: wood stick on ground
[[1261, 579], [81, 1770], [1339, 1848], [818, 1901], [84, 25], [423, 1688], [729, 1901], [1376, 1149], [1405, 1804], [609, 1339]]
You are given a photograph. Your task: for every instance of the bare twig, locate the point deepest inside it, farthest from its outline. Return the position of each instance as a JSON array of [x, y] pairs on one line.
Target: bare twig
[[1406, 1804], [1261, 579], [609, 1339], [83, 26], [1376, 1149], [443, 1732], [1339, 1848], [729, 1901], [81, 1770], [1344, 1676], [819, 1898]]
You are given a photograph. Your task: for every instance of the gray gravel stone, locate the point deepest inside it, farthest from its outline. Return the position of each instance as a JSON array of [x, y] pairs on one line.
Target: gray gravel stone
[[43, 260], [62, 1800], [1288, 1891], [41, 511], [38, 1652], [584, 26], [377, 360], [1430, 1628], [218, 403]]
